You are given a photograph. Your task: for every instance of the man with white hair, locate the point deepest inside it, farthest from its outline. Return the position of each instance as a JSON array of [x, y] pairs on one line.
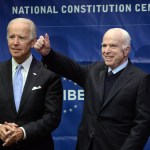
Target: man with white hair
[[30, 95], [116, 113]]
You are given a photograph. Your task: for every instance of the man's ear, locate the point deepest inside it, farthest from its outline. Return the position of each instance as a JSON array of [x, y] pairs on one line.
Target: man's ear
[[127, 50], [33, 42]]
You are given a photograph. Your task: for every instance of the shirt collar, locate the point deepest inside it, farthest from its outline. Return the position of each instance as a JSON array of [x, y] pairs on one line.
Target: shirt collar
[[26, 64], [116, 70]]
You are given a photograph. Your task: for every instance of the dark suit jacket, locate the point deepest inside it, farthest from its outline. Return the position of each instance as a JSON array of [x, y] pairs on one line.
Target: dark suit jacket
[[40, 110], [123, 121]]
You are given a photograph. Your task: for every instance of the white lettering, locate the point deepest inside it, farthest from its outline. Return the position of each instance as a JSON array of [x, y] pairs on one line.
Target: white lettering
[[34, 10], [64, 95], [72, 95], [96, 8], [80, 95], [77, 9], [21, 10], [142, 7], [137, 7]]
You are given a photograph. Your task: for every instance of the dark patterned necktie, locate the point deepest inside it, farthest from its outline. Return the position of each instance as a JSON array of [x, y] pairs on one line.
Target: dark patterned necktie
[[110, 73]]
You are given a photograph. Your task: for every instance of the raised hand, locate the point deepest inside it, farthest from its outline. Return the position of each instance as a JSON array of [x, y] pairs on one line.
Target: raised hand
[[42, 45]]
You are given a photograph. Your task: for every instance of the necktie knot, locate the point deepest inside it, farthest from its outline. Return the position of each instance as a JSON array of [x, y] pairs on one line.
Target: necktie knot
[[110, 73], [18, 68]]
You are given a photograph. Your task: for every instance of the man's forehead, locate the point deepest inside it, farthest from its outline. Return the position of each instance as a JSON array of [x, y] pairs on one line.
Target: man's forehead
[[110, 42]]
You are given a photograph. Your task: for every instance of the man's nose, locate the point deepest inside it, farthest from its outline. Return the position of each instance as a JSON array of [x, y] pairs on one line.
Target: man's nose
[[107, 49], [16, 40]]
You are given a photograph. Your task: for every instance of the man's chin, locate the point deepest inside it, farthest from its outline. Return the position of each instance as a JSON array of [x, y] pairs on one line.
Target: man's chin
[[108, 63], [16, 56]]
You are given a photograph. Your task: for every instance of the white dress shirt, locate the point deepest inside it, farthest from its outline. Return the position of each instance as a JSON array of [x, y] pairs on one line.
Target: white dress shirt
[[26, 65]]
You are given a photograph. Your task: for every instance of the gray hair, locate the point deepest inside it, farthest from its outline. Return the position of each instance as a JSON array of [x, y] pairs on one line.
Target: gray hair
[[124, 35], [33, 32]]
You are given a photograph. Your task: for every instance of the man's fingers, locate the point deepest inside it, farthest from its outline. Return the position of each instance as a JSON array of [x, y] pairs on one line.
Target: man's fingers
[[5, 135], [46, 36], [39, 44], [11, 124], [13, 138], [41, 38], [10, 140]]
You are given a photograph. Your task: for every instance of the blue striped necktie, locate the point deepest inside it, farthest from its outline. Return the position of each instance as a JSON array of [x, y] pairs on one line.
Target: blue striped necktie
[[17, 86]]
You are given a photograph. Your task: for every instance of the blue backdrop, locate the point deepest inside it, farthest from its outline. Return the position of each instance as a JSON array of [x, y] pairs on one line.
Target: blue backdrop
[[76, 28]]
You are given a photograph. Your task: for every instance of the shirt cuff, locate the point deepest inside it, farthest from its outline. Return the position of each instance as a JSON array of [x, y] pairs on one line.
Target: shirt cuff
[[24, 133]]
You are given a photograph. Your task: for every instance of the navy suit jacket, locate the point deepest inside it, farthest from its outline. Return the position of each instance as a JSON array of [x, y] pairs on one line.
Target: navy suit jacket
[[122, 121], [40, 110]]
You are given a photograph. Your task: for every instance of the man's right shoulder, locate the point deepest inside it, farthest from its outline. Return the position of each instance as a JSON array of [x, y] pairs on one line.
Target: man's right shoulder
[[4, 63], [97, 65]]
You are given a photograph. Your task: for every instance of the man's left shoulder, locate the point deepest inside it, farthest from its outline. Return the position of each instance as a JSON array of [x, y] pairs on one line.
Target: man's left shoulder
[[137, 70]]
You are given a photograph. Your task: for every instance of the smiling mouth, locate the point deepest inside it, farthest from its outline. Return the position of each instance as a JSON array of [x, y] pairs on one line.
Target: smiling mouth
[[14, 49], [108, 58]]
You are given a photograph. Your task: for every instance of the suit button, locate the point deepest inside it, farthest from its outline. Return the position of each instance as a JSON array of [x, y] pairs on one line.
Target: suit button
[[92, 134]]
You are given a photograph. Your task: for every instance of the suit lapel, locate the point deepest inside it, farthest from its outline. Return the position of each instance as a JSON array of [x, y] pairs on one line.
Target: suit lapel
[[123, 79], [32, 78], [8, 83], [101, 85]]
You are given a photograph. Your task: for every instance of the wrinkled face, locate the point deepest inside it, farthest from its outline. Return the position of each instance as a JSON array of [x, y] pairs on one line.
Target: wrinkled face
[[19, 40], [113, 52]]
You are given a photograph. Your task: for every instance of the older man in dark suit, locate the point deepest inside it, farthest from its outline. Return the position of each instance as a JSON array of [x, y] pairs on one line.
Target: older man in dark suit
[[29, 114], [116, 114]]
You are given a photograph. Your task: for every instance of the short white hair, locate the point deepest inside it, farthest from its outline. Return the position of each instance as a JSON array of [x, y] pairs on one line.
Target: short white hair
[[33, 32], [125, 36]]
